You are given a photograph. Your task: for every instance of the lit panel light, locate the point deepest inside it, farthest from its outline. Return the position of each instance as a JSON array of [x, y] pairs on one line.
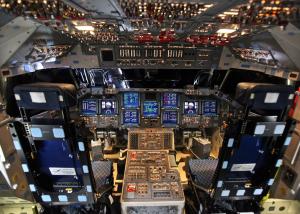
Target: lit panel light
[[208, 5], [85, 28], [225, 31], [231, 13]]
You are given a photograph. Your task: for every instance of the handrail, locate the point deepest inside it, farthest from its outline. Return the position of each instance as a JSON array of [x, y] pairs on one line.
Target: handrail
[[6, 121]]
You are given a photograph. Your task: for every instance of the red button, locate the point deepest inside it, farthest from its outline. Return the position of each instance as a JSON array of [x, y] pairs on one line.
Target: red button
[[131, 188]]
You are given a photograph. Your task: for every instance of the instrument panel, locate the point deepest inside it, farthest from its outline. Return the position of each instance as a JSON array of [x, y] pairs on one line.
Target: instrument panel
[[151, 139], [149, 180], [151, 108]]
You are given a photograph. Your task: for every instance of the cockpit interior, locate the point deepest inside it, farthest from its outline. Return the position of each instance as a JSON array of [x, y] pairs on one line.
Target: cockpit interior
[[149, 107]]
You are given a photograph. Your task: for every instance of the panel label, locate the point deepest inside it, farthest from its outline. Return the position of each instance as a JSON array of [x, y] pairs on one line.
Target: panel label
[[242, 167], [37, 97], [62, 171], [271, 97]]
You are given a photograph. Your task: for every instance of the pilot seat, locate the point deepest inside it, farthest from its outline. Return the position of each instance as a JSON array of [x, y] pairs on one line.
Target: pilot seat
[[251, 152], [53, 151]]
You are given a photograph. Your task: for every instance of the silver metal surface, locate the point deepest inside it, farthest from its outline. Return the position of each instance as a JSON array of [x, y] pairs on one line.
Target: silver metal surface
[[228, 61], [19, 208], [10, 166], [13, 35], [287, 183], [203, 171], [280, 206], [101, 171], [289, 41]]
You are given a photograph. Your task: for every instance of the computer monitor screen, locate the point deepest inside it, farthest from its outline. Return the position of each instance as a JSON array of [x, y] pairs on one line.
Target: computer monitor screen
[[170, 117], [108, 107], [169, 100], [209, 107], [59, 173], [89, 107], [150, 109], [191, 108], [131, 117], [131, 99]]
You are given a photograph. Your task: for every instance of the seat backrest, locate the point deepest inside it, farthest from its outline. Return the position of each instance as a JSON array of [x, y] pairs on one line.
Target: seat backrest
[[264, 96], [253, 144], [56, 162], [45, 96]]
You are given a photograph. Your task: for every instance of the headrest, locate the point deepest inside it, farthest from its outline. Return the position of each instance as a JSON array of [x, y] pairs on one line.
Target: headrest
[[264, 95], [45, 96]]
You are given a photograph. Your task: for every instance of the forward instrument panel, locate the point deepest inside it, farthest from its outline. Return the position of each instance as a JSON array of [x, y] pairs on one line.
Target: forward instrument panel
[[174, 108]]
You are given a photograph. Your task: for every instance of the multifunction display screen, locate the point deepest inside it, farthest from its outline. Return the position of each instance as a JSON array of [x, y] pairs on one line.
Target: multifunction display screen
[[108, 107], [89, 107], [131, 117], [131, 100], [150, 109], [170, 117], [209, 107], [169, 100], [191, 107]]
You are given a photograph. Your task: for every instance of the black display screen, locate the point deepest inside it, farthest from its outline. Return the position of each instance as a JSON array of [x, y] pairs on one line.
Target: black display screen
[[150, 96]]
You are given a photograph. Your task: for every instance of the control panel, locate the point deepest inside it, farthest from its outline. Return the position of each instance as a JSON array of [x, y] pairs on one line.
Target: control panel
[[153, 108], [99, 112], [150, 184], [149, 181], [151, 139], [162, 56]]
